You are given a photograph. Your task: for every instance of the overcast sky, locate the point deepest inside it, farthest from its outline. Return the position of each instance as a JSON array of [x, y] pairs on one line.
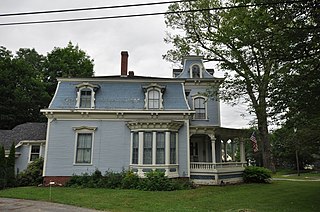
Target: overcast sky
[[102, 40]]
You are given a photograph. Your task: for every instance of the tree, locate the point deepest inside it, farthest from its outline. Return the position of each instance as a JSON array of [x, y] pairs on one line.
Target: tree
[[28, 80], [2, 168], [10, 172], [23, 92], [70, 61], [249, 42], [7, 84]]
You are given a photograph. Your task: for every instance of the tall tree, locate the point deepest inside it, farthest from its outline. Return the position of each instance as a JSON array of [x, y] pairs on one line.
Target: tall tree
[[23, 92], [248, 42], [2, 168], [70, 61], [10, 172], [7, 84]]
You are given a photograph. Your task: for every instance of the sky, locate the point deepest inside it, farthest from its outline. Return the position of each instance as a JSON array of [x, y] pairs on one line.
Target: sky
[[103, 40]]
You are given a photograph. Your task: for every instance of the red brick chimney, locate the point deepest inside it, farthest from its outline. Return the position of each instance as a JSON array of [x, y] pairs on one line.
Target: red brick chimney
[[124, 63]]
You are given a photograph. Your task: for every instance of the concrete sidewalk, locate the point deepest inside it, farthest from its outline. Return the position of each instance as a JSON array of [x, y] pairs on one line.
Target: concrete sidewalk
[[20, 205]]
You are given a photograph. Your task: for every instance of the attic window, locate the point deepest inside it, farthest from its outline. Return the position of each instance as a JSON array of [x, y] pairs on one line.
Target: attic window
[[196, 71], [86, 95], [153, 96]]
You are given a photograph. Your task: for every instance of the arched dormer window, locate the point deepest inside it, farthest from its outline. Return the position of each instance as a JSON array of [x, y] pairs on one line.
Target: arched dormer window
[[195, 71], [200, 107], [86, 95], [153, 99], [153, 96]]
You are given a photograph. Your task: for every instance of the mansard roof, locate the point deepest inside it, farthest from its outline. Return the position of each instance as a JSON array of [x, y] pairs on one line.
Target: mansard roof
[[120, 93]]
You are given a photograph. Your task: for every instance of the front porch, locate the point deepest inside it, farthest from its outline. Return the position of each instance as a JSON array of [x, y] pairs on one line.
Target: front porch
[[217, 155]]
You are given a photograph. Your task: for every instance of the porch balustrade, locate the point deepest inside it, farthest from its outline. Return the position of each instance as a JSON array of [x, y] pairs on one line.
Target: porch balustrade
[[210, 166]]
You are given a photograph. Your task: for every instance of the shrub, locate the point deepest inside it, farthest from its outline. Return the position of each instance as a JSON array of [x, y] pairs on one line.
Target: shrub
[[255, 174], [130, 180], [32, 176], [156, 181]]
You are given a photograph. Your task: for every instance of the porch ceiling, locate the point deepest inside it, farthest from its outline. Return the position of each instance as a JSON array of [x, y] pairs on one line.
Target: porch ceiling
[[221, 132]]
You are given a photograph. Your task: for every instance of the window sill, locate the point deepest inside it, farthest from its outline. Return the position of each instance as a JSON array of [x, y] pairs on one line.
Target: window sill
[[82, 164], [200, 119]]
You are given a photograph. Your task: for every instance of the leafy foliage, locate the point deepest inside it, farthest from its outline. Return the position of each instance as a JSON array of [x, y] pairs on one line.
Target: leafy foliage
[[10, 173], [254, 45], [32, 176], [154, 181], [2, 168], [256, 174], [28, 80]]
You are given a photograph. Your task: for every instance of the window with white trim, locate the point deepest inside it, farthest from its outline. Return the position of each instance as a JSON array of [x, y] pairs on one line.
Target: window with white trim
[[85, 98], [195, 71], [135, 148], [153, 96], [147, 148], [173, 148], [160, 148], [34, 152], [84, 148], [153, 99], [199, 105], [86, 95]]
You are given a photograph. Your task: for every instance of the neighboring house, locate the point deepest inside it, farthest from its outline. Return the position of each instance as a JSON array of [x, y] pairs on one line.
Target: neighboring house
[[141, 123], [29, 140]]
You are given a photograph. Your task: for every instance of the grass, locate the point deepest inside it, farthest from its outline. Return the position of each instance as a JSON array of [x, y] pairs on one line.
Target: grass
[[277, 196], [289, 174]]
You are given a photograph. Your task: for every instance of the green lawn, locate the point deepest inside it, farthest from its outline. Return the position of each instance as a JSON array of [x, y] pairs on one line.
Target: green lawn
[[277, 196], [289, 174]]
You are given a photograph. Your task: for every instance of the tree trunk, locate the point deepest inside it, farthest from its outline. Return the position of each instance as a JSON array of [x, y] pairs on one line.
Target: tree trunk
[[297, 161], [264, 136]]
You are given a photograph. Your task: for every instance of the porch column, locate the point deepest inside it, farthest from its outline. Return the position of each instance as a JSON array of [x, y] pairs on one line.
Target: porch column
[[213, 148], [232, 150], [242, 152], [225, 150]]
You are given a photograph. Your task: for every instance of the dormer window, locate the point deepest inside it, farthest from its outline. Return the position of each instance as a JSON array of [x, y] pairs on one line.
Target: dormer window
[[195, 71], [200, 107], [153, 99], [153, 96], [86, 95], [85, 98]]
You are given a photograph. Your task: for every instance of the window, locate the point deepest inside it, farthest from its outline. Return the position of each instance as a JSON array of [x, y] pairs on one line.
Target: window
[[195, 71], [84, 148], [200, 108], [135, 148], [173, 148], [147, 148], [160, 152], [86, 95], [153, 96], [35, 152], [153, 99], [85, 98]]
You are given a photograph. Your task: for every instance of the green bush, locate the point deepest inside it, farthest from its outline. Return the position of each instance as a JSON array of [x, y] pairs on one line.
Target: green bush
[[32, 176], [255, 174], [130, 180], [154, 181]]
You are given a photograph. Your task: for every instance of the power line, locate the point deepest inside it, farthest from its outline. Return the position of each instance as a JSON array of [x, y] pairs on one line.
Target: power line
[[143, 14], [92, 8]]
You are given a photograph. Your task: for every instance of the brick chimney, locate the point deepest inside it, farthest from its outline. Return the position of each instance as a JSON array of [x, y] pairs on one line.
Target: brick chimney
[[124, 63]]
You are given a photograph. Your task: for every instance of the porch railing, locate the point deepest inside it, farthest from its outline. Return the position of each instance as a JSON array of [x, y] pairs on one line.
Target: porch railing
[[210, 166]]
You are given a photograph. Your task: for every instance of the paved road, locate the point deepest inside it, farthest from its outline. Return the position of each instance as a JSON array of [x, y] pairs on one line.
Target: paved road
[[21, 205]]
